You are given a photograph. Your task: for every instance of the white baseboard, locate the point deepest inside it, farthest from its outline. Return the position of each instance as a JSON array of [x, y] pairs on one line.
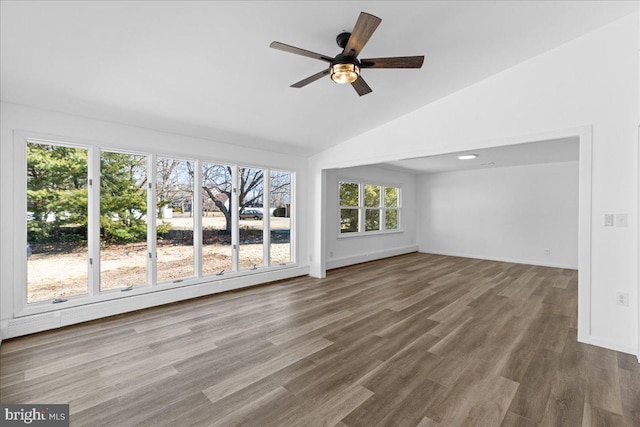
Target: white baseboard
[[370, 256], [501, 259], [10, 328]]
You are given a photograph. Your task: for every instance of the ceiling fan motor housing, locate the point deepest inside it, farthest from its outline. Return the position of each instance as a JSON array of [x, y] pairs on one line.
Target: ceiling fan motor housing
[[342, 39], [344, 59]]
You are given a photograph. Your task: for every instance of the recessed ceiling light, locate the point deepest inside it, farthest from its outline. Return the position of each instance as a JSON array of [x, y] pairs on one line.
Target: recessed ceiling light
[[467, 156]]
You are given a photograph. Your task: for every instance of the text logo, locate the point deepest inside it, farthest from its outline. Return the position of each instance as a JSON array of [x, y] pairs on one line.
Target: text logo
[[34, 415]]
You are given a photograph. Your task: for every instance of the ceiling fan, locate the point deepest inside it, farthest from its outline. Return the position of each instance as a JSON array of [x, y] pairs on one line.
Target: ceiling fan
[[345, 67]]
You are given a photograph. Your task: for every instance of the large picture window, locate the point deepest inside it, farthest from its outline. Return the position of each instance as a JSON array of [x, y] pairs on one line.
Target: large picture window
[[99, 221], [280, 217], [174, 204], [217, 188], [251, 213], [57, 222], [368, 208], [123, 220]]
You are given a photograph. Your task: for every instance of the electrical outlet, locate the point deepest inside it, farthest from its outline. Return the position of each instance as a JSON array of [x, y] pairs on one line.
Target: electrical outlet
[[622, 220], [330, 254], [547, 251], [622, 298]]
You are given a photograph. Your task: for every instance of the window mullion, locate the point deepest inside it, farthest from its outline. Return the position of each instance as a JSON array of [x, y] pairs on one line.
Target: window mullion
[[233, 206], [196, 210], [293, 206], [152, 215], [93, 228], [383, 211], [399, 210], [362, 211], [266, 223]]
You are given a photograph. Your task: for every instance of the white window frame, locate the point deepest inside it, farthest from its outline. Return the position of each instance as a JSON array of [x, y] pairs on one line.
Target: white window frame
[[20, 206], [195, 211], [362, 209], [94, 295], [151, 218], [292, 216]]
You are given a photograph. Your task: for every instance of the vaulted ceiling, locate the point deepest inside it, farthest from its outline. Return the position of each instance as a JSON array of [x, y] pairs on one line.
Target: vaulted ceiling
[[205, 69]]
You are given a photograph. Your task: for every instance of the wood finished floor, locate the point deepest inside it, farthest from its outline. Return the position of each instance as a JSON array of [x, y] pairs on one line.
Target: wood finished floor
[[416, 340]]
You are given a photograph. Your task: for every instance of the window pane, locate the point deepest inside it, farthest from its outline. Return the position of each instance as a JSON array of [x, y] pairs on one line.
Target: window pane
[[174, 192], [57, 200], [348, 220], [280, 219], [372, 220], [349, 194], [216, 218], [371, 196], [123, 220], [391, 197], [250, 195], [391, 219]]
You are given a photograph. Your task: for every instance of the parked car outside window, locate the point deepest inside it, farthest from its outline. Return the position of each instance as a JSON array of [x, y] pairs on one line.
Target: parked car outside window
[[251, 214]]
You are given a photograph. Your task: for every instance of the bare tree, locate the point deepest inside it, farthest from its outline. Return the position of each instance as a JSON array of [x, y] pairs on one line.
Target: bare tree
[[174, 181], [280, 192], [217, 185]]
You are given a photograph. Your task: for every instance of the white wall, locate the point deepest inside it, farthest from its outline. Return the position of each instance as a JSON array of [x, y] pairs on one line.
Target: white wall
[[110, 135], [348, 249], [590, 82], [505, 214]]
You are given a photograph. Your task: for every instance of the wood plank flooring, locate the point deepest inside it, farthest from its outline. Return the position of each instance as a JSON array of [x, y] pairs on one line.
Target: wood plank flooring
[[416, 340]]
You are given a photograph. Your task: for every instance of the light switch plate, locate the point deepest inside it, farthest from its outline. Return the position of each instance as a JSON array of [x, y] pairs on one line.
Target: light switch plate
[[622, 220], [608, 220]]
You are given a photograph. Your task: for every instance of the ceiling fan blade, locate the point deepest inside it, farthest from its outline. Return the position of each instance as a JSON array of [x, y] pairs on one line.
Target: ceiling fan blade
[[298, 51], [362, 31], [395, 62], [311, 79], [361, 86]]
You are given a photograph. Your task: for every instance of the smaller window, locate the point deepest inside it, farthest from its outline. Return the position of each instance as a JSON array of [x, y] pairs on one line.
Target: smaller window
[[349, 203], [349, 220], [372, 196], [368, 207], [349, 194], [372, 207], [391, 203], [391, 197], [372, 220], [391, 219]]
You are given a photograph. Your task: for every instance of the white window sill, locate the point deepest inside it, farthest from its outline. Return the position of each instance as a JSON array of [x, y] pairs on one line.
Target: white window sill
[[368, 233], [115, 294]]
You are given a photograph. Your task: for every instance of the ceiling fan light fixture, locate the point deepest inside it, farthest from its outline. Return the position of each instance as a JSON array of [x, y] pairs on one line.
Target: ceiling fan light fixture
[[345, 67], [344, 73]]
